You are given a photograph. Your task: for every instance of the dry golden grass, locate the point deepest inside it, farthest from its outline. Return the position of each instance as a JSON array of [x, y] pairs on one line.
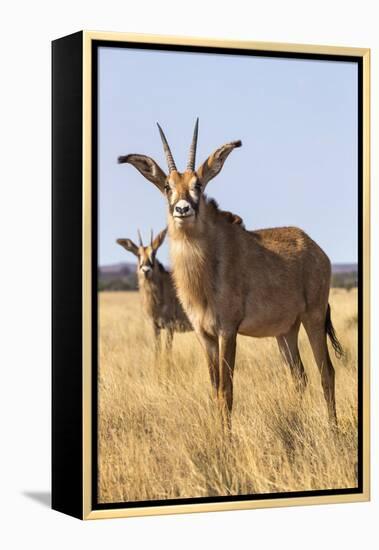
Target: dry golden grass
[[159, 434]]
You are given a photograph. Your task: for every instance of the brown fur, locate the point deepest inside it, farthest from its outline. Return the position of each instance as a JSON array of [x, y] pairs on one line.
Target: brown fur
[[158, 297], [229, 280]]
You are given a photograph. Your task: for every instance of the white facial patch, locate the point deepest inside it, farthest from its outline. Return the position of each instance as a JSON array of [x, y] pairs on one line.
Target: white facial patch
[[194, 195], [174, 196], [145, 268]]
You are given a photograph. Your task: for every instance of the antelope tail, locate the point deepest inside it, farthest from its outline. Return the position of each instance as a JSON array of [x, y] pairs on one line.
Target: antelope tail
[[329, 329]]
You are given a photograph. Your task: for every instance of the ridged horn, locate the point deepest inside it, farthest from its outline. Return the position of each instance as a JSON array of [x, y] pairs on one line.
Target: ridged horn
[[192, 152], [139, 237], [167, 150]]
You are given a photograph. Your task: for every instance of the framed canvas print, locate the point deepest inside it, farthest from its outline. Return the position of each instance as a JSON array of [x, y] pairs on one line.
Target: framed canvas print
[[210, 275]]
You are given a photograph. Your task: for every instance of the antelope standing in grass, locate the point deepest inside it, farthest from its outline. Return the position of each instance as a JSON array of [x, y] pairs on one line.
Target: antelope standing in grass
[[233, 281], [159, 301]]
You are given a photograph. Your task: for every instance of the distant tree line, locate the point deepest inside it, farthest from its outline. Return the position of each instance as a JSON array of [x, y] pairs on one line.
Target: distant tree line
[[128, 281], [346, 280]]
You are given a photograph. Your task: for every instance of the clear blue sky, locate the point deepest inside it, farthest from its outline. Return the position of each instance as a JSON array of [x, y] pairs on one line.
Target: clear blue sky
[[297, 120]]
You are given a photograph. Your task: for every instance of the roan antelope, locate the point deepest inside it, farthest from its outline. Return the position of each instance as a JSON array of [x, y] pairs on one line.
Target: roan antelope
[[159, 301], [232, 281]]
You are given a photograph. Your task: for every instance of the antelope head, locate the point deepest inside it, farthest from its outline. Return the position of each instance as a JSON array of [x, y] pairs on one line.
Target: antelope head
[[183, 190], [145, 254]]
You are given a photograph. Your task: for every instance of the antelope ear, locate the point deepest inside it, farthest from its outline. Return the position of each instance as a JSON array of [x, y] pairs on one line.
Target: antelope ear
[[147, 167], [213, 165], [158, 241], [128, 245]]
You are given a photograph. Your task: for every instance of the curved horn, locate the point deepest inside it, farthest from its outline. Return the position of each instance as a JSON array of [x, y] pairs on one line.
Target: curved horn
[[151, 237], [139, 237], [192, 153], [167, 150]]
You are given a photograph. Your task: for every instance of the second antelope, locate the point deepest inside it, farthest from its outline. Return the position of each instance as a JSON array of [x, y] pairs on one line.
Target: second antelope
[[230, 280], [159, 301]]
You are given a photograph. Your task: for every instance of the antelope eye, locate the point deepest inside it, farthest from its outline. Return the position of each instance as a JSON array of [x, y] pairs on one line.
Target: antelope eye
[[167, 188], [198, 186]]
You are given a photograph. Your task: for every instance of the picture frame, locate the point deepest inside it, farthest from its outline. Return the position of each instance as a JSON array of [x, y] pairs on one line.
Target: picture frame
[[75, 229]]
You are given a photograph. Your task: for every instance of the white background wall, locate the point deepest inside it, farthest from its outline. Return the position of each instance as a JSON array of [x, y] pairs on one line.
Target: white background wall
[[27, 29]]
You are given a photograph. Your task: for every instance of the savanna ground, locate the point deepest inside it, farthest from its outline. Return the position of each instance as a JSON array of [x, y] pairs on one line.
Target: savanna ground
[[159, 432]]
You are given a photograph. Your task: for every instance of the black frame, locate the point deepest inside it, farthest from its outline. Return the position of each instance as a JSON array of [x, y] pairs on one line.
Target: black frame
[[67, 452]]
